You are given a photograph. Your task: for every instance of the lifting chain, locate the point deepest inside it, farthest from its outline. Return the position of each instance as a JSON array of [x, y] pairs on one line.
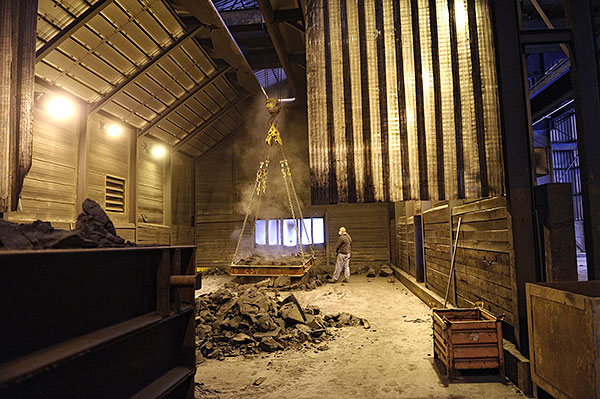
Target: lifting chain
[[286, 174], [260, 188]]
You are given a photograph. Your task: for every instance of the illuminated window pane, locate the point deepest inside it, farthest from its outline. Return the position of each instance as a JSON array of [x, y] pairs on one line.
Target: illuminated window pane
[[305, 229], [260, 236], [273, 233], [289, 233], [318, 228]]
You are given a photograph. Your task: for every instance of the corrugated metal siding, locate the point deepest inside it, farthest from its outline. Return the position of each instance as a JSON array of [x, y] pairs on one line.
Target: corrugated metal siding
[[402, 101], [565, 163]]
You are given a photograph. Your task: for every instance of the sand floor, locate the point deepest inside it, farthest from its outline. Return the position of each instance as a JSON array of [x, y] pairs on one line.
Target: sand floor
[[391, 360]]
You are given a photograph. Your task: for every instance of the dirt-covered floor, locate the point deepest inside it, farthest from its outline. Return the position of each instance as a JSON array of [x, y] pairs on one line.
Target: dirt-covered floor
[[393, 359]]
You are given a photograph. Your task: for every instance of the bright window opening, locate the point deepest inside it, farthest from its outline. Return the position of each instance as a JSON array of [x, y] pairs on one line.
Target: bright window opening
[[261, 232], [282, 232], [274, 235], [289, 233]]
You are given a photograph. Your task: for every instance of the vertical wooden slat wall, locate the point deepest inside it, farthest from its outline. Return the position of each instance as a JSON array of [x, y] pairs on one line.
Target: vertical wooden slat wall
[[402, 101]]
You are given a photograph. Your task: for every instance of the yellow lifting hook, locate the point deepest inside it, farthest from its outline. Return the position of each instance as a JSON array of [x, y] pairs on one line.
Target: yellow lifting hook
[[273, 134]]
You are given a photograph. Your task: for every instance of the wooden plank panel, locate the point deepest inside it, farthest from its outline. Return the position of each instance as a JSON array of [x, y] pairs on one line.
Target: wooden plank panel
[[49, 190], [150, 188], [214, 177], [483, 266], [107, 155], [153, 234]]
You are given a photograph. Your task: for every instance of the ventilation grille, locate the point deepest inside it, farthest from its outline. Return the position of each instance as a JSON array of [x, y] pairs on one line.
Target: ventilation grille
[[115, 194]]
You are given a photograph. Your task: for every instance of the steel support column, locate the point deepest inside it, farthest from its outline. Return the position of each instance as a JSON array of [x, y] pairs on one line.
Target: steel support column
[[586, 87], [279, 45], [517, 141]]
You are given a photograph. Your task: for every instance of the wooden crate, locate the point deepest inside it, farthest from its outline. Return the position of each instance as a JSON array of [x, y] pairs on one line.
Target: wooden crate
[[468, 339], [564, 345]]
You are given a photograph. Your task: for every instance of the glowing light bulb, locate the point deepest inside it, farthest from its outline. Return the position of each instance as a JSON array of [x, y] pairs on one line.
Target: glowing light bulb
[[158, 151], [114, 130], [60, 107]]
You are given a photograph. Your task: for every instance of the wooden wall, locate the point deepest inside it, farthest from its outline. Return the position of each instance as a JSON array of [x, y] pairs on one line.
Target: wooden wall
[[215, 191], [71, 160], [484, 268], [50, 189], [225, 177], [182, 199], [367, 224], [150, 187], [401, 236], [436, 243], [151, 217], [483, 261], [215, 218], [107, 155]]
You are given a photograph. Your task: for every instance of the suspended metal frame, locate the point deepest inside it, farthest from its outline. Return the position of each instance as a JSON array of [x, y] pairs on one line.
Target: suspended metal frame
[[254, 206]]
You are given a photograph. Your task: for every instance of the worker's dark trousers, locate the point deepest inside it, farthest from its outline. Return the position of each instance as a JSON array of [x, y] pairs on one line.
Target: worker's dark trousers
[[343, 262]]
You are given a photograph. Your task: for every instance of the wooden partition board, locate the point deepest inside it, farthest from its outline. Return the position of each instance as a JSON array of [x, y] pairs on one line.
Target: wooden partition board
[[483, 266], [437, 239], [410, 245]]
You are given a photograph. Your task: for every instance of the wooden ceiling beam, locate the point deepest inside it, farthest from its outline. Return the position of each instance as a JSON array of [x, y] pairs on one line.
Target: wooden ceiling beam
[[209, 121], [70, 29], [159, 57], [182, 100]]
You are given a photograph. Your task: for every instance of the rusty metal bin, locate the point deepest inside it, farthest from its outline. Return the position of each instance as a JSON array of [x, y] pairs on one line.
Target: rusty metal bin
[[564, 338], [467, 339]]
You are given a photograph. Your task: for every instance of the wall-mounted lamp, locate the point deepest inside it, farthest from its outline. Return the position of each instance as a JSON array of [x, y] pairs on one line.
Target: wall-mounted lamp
[[59, 107], [112, 129], [156, 150]]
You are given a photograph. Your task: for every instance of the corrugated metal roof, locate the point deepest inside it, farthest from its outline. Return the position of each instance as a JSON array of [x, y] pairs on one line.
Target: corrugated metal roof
[[136, 60]]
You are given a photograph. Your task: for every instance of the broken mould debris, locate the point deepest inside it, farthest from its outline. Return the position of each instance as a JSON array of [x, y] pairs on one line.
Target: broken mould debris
[[93, 229], [248, 319]]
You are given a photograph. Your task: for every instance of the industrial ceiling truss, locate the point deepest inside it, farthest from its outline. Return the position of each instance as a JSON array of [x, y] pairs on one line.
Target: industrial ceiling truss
[[138, 61]]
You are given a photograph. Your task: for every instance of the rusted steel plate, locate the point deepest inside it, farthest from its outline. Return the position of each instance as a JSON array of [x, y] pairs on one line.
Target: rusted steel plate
[[475, 364], [470, 351], [270, 270], [474, 337]]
